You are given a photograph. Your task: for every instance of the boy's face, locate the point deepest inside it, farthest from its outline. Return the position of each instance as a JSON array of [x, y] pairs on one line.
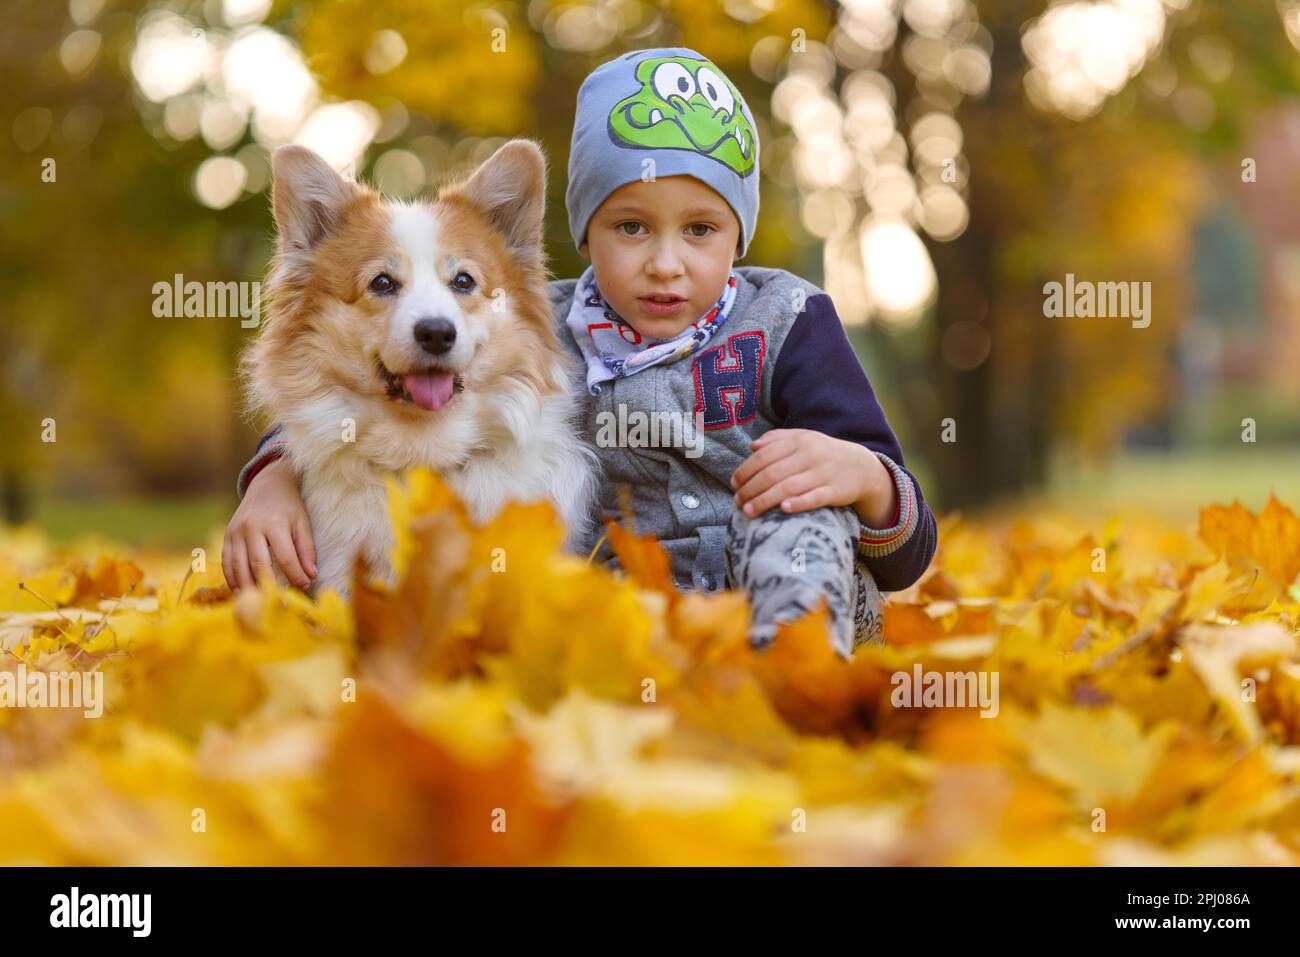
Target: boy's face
[[676, 237]]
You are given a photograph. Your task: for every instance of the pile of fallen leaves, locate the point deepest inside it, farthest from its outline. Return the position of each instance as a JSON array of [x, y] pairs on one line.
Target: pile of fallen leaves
[[510, 704]]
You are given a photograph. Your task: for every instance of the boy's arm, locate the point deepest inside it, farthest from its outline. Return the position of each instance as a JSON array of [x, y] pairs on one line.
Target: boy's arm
[[819, 384], [270, 448]]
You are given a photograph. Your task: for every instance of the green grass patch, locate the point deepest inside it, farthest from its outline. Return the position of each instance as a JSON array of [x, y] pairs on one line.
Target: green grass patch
[[177, 523]]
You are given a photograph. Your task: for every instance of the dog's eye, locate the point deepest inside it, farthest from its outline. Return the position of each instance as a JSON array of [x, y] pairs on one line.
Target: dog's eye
[[463, 282], [383, 285]]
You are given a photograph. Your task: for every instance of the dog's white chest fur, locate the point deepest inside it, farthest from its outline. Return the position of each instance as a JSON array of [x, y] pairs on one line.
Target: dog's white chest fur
[[346, 496]]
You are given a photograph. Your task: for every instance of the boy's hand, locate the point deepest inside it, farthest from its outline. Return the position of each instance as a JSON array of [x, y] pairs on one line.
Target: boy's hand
[[271, 520], [800, 469]]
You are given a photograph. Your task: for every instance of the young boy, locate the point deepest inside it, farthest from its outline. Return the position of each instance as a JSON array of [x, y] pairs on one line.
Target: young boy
[[793, 487]]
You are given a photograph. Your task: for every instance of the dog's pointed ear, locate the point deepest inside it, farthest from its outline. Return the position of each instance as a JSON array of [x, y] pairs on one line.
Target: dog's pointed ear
[[510, 188], [307, 201]]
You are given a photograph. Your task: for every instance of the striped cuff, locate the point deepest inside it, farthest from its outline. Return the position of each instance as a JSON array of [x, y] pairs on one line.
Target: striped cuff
[[879, 542], [266, 454]]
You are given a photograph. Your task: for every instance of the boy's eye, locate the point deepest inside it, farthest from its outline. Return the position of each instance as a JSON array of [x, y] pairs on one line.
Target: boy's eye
[[696, 228], [629, 228]]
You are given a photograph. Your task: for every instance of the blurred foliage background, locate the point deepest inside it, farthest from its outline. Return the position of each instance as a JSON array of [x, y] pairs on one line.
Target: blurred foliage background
[[931, 163]]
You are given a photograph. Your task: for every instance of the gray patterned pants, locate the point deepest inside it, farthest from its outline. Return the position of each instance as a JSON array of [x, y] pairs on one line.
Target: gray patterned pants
[[786, 562]]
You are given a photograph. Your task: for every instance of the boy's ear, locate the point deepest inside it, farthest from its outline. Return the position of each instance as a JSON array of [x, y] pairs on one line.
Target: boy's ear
[[510, 189], [307, 200]]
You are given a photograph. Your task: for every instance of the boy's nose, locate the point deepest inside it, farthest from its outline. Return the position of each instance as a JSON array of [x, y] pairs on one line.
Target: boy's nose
[[665, 262]]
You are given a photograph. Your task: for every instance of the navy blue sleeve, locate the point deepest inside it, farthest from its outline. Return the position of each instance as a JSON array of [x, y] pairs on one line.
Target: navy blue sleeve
[[819, 384], [274, 431]]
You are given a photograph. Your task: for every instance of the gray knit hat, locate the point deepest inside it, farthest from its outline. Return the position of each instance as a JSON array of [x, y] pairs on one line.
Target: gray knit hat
[[673, 106]]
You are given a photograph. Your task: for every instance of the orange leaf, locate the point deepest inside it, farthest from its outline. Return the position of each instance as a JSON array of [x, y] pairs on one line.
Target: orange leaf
[[397, 796], [1269, 541], [1227, 528], [644, 560], [108, 578], [1275, 541], [909, 625]]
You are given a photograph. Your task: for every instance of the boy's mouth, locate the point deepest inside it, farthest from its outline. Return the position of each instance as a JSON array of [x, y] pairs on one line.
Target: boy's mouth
[[430, 388], [662, 303]]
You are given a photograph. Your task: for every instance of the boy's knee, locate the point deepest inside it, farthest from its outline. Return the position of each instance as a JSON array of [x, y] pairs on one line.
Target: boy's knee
[[812, 545], [790, 561]]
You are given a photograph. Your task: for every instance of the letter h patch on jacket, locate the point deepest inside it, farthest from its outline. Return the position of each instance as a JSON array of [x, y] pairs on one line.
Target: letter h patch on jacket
[[739, 379]]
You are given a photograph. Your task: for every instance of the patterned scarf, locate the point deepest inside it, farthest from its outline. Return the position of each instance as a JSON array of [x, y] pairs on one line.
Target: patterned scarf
[[613, 349]]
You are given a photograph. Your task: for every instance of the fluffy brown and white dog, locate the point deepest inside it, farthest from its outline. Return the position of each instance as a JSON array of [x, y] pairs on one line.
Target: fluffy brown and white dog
[[407, 334]]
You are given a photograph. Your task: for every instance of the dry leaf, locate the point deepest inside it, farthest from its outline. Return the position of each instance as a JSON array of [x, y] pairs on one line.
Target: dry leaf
[[499, 701]]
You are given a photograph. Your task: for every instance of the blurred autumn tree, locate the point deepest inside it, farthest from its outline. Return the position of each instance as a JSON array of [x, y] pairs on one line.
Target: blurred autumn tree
[[137, 403], [1114, 196], [1022, 141], [425, 89]]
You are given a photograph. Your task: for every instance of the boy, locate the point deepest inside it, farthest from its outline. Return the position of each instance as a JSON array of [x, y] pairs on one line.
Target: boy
[[797, 490]]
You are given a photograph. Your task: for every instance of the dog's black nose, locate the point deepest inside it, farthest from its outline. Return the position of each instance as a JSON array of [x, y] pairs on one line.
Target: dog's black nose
[[435, 335]]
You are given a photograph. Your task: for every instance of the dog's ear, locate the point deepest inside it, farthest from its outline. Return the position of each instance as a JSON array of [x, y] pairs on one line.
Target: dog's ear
[[307, 200], [510, 189]]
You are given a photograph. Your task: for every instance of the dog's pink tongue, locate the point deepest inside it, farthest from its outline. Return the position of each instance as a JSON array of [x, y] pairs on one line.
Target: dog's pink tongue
[[430, 390]]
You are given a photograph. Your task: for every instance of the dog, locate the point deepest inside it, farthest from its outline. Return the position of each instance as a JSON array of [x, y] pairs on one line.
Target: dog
[[403, 334]]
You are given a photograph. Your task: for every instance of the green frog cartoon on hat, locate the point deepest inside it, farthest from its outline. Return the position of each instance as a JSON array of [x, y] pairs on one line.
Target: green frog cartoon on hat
[[685, 104]]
